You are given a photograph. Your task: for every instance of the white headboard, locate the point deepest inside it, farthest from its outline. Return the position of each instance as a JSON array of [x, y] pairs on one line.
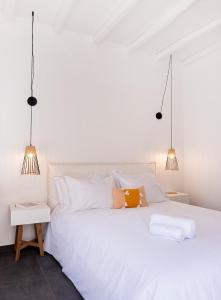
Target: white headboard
[[80, 169]]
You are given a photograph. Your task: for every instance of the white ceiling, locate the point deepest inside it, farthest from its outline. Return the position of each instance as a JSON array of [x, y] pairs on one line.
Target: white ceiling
[[186, 28]]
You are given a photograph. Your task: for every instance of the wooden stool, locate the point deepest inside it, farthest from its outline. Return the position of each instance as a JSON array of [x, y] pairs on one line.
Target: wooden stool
[[20, 244]]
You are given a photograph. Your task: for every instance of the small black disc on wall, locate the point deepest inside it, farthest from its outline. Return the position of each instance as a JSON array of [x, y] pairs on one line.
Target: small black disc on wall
[[159, 115], [32, 101]]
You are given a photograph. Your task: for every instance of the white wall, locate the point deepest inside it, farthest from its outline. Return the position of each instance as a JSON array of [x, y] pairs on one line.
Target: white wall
[[96, 103], [202, 128]]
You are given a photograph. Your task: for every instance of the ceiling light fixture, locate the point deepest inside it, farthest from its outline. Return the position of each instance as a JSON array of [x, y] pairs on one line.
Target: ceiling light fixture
[[30, 162], [171, 163]]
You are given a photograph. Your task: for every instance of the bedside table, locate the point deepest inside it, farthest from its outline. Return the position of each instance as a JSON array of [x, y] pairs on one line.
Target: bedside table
[[179, 197], [22, 216]]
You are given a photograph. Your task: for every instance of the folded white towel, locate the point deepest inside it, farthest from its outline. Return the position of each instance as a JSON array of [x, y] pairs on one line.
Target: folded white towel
[[188, 225], [167, 231]]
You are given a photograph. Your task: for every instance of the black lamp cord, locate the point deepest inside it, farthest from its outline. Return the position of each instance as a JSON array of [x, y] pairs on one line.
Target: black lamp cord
[[171, 101], [32, 70], [169, 71], [165, 88]]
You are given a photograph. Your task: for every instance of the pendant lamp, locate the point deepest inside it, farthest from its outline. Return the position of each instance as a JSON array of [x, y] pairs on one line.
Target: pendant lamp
[[171, 163], [30, 163]]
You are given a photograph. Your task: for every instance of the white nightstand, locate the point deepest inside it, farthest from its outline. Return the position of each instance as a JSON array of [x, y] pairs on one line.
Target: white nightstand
[[22, 216], [179, 197]]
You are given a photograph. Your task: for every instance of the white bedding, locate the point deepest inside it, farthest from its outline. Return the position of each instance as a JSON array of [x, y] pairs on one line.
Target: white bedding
[[109, 254]]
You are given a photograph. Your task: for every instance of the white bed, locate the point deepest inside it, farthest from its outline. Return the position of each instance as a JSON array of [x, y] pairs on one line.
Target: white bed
[[109, 254]]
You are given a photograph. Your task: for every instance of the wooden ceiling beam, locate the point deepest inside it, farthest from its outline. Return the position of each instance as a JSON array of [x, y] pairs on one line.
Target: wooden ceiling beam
[[62, 13], [164, 20], [189, 38], [114, 19], [203, 53]]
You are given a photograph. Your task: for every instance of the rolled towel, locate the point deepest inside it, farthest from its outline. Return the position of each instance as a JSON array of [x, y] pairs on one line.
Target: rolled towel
[[167, 231], [188, 225]]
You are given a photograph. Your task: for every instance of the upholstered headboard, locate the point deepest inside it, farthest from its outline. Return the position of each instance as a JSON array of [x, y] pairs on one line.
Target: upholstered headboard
[[81, 169]]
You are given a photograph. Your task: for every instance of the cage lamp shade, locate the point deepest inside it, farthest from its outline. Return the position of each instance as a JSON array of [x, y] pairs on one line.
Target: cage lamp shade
[[172, 163], [30, 162]]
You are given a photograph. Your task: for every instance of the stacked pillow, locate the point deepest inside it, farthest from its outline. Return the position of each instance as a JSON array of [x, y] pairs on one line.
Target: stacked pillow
[[85, 193], [152, 188], [62, 191], [116, 190]]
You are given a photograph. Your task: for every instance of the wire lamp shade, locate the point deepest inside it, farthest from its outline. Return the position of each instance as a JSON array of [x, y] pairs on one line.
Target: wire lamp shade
[[172, 163], [30, 163]]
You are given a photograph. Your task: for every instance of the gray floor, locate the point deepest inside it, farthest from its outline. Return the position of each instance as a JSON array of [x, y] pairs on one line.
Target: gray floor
[[33, 278]]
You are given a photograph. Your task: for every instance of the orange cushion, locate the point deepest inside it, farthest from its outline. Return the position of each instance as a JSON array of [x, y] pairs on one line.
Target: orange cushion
[[129, 198]]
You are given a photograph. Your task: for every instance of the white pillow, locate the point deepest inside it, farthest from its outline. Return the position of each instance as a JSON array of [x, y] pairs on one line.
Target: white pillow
[[62, 191], [90, 193], [152, 188]]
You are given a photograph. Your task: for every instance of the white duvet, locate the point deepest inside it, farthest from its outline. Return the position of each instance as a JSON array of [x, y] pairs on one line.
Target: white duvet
[[109, 254]]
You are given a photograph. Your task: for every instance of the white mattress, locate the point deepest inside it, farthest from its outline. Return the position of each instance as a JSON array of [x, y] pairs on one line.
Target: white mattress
[[109, 254]]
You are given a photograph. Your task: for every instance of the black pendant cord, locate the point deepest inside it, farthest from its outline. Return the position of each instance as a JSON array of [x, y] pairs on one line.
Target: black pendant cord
[[167, 78], [159, 114], [32, 72], [31, 128], [32, 55], [171, 108]]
